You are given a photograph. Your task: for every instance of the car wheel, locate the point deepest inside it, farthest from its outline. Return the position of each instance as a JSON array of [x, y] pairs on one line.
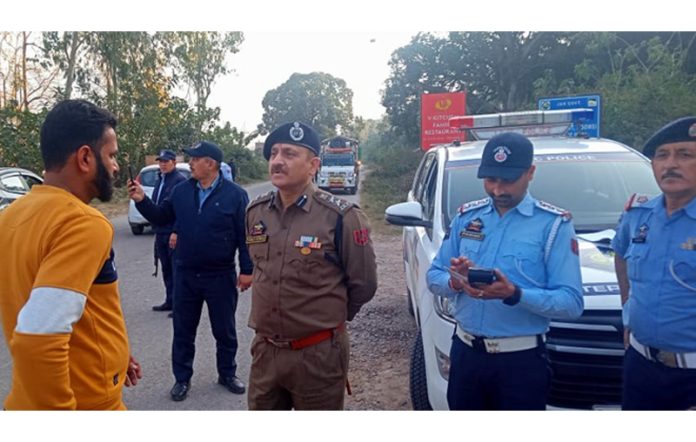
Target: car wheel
[[410, 303], [137, 229], [418, 382], [353, 190]]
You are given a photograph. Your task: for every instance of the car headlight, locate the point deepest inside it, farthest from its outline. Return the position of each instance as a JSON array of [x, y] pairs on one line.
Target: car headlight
[[443, 363]]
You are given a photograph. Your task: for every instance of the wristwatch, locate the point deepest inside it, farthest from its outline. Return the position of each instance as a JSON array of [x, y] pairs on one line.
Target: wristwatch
[[514, 298]]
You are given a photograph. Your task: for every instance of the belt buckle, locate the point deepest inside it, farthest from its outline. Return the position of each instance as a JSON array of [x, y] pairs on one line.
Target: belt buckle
[[492, 345], [667, 358]]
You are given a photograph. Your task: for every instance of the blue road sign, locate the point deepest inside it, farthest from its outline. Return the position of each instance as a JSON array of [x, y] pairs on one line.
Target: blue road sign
[[590, 127]]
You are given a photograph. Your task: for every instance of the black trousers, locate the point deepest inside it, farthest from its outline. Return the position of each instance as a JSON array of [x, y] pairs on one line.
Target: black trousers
[[497, 381], [165, 256], [219, 292], [650, 385]]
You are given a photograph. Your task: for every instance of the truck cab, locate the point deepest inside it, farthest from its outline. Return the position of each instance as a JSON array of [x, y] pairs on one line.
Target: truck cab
[[340, 165]]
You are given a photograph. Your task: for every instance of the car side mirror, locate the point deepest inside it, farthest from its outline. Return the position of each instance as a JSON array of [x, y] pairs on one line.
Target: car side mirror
[[407, 214]]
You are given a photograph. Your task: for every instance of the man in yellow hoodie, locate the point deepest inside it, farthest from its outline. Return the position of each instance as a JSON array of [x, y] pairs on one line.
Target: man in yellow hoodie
[[59, 301]]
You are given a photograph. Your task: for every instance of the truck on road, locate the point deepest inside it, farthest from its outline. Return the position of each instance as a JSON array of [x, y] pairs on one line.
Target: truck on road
[[340, 164]]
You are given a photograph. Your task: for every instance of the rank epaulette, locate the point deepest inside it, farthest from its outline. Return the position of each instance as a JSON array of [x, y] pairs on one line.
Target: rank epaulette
[[471, 205], [543, 205], [261, 199], [636, 200], [338, 204]]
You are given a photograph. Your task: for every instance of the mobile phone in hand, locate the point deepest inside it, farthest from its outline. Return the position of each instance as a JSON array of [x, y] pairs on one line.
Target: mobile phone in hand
[[130, 173], [480, 276]]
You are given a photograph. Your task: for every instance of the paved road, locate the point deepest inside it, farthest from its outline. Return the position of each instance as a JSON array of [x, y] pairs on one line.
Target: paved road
[[150, 332]]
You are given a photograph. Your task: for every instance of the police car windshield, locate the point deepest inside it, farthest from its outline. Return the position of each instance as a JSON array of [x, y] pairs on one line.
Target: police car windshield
[[337, 160], [593, 187]]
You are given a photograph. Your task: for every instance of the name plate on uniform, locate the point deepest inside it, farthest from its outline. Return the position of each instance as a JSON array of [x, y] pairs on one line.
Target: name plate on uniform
[[256, 239], [478, 236]]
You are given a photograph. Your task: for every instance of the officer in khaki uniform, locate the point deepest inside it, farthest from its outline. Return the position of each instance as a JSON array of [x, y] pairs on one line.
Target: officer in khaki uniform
[[314, 267]]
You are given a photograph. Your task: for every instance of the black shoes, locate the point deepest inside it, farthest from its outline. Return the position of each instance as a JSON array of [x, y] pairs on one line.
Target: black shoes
[[162, 307], [233, 384], [180, 391]]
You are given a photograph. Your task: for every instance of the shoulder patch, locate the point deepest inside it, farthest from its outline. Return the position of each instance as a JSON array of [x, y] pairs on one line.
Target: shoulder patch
[[471, 205], [636, 200], [338, 204], [260, 199], [543, 205]]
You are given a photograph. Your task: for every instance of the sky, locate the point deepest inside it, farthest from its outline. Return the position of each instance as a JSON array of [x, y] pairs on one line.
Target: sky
[[268, 59]]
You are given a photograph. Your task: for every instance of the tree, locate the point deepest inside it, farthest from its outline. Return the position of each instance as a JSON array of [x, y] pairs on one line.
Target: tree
[[318, 99], [24, 82], [644, 80], [199, 58], [67, 52], [496, 69]]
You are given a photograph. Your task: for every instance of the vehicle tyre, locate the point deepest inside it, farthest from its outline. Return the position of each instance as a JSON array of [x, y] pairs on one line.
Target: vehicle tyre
[[418, 383], [353, 190], [410, 303], [137, 229]]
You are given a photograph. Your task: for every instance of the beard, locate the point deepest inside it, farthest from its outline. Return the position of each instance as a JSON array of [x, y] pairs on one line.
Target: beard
[[103, 182]]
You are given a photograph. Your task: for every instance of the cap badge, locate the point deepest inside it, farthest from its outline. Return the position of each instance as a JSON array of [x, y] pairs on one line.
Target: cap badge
[[501, 153], [692, 130], [296, 132], [162, 153]]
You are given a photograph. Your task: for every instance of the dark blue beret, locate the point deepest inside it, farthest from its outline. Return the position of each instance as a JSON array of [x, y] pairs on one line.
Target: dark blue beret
[[296, 133], [507, 155], [166, 155], [205, 149], [683, 129]]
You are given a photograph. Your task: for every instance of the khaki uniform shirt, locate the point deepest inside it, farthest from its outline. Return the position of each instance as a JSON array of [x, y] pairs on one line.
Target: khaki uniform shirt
[[301, 283]]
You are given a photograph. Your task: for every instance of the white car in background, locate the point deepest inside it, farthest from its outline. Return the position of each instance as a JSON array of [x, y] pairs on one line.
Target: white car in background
[[15, 182], [590, 177], [147, 179]]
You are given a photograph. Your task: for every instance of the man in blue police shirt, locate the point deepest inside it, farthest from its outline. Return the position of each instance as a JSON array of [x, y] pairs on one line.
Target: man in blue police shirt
[[169, 177], [498, 356], [655, 260], [208, 212]]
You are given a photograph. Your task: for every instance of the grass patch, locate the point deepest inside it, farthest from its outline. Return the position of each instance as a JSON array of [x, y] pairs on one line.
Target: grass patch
[[116, 207], [390, 178]]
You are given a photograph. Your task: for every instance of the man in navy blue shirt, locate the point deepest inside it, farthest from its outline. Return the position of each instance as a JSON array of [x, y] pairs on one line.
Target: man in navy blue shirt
[[169, 177], [208, 215], [498, 356], [655, 260]]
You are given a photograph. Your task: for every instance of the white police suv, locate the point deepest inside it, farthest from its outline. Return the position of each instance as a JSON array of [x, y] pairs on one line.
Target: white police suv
[[590, 177]]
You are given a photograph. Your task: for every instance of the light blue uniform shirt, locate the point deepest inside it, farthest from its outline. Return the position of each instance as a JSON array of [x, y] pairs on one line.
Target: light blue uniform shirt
[[205, 193], [515, 244], [660, 253]]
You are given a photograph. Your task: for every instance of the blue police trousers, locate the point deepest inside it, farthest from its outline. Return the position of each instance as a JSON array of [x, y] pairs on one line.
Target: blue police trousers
[[650, 385], [219, 292], [497, 381], [164, 254]]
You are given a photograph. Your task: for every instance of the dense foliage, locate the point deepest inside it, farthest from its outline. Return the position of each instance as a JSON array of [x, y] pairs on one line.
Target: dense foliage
[[141, 77]]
